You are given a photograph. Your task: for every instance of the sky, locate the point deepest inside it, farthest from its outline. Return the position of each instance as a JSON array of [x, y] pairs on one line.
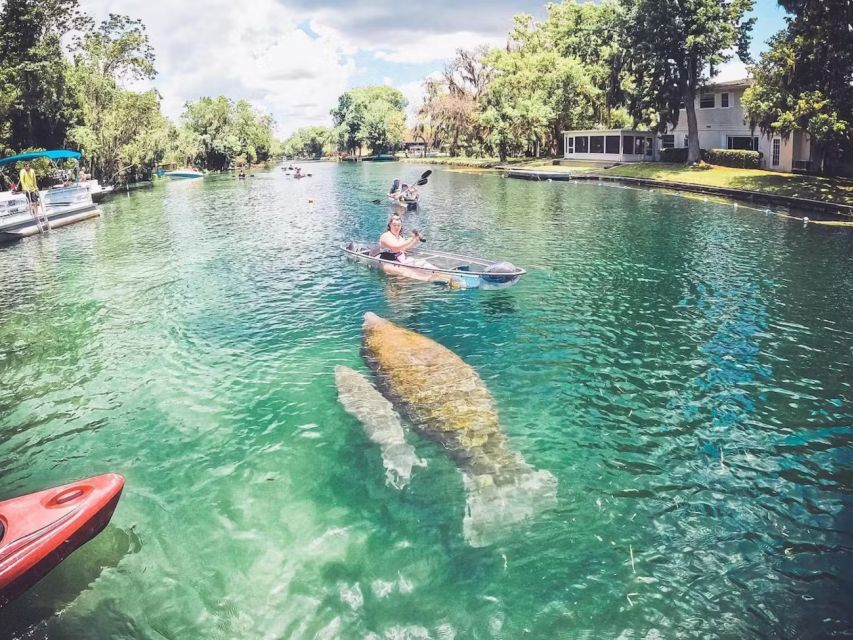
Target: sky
[[293, 58]]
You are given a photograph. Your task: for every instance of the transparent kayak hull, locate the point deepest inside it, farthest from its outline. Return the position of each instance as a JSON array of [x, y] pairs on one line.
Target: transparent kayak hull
[[451, 269]]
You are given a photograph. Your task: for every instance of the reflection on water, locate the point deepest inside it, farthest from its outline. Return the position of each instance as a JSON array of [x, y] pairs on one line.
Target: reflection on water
[[682, 367]]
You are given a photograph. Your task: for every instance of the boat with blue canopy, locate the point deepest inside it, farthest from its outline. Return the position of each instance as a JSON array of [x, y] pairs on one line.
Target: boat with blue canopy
[[64, 202], [184, 174]]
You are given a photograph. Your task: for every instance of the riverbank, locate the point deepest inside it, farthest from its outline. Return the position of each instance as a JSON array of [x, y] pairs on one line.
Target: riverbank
[[788, 189]]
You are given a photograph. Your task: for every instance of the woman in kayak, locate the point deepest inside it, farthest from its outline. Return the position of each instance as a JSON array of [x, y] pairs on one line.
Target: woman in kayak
[[393, 246]]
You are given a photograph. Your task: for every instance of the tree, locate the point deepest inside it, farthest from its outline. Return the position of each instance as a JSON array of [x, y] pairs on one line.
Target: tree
[[805, 80], [675, 48], [372, 116], [39, 109], [112, 122], [309, 142]]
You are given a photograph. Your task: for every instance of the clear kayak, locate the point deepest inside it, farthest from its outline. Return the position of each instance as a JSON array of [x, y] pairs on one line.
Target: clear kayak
[[451, 269]]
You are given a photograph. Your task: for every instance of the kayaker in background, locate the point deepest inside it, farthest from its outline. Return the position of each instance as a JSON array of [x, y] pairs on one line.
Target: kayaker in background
[[393, 245]]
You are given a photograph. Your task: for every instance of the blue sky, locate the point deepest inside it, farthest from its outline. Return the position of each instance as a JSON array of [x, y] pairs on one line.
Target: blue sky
[[292, 58]]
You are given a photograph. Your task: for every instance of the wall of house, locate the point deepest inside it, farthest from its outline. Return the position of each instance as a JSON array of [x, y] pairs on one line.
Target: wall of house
[[718, 123]]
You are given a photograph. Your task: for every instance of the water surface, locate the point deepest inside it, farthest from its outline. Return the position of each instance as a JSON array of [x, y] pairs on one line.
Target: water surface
[[682, 367]]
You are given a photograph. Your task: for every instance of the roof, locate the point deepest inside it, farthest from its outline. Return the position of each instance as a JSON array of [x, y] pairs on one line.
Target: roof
[[723, 84], [605, 132], [56, 154]]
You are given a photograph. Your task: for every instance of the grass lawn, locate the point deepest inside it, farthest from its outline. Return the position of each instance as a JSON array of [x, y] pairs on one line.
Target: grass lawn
[[837, 190]]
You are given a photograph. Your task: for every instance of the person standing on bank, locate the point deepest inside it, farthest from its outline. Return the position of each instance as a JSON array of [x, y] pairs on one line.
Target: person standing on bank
[[27, 183]]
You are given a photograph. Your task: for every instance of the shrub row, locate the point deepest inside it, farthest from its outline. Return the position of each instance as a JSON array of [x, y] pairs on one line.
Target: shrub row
[[741, 159]]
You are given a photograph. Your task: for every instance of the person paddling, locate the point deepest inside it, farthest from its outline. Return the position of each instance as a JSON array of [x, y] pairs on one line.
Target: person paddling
[[393, 246]]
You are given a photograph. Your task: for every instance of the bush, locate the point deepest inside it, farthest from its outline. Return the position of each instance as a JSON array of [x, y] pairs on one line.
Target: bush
[[673, 155], [738, 158]]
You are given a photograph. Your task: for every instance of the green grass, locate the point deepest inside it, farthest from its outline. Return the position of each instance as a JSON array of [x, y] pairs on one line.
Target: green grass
[[836, 190]]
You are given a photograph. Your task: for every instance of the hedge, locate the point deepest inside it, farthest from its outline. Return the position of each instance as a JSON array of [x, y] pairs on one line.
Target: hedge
[[739, 158], [674, 155]]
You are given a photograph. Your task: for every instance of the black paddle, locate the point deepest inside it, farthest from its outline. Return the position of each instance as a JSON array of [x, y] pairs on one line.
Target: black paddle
[[426, 174]]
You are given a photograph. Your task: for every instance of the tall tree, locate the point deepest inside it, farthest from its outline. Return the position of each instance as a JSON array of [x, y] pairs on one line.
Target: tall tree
[[113, 120], [676, 47], [370, 116], [805, 80], [39, 109]]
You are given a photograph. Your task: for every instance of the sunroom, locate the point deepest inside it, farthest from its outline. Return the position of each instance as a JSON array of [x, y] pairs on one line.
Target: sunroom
[[614, 145]]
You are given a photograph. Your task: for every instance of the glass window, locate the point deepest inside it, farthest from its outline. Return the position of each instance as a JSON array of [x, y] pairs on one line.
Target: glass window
[[596, 144], [706, 101], [743, 142], [581, 144], [650, 146], [724, 100], [639, 146], [628, 144], [611, 145], [685, 142], [570, 144], [777, 151], [667, 142]]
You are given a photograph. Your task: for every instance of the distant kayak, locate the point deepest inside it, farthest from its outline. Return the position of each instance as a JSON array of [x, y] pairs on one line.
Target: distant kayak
[[454, 270], [39, 530]]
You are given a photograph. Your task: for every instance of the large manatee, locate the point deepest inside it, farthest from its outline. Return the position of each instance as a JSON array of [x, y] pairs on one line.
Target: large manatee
[[446, 400], [380, 422]]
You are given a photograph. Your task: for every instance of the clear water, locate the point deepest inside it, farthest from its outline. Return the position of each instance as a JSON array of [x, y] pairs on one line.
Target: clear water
[[682, 367]]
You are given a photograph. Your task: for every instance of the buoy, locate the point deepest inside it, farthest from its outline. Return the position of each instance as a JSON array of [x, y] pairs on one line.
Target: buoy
[[735, 204], [310, 201], [805, 221]]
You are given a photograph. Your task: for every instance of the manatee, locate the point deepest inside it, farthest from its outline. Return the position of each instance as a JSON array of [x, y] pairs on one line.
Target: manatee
[[446, 400], [381, 424]]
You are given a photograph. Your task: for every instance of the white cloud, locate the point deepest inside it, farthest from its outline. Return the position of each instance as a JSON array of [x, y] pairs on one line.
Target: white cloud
[[734, 69], [422, 48], [260, 55]]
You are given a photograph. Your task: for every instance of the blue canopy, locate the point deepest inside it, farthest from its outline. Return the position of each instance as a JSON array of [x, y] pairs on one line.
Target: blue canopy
[[56, 154]]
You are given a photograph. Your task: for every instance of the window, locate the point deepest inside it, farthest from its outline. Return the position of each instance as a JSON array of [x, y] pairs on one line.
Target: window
[[639, 145], [724, 100], [667, 142], [596, 144], [743, 142], [628, 144], [611, 144], [570, 144], [581, 144], [650, 146], [686, 144], [777, 151], [706, 101]]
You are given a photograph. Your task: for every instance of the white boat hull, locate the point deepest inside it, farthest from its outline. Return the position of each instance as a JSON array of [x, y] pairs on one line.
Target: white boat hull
[[62, 206]]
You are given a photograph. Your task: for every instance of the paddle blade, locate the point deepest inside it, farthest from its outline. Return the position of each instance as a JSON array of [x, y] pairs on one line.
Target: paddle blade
[[421, 182], [376, 201], [426, 174]]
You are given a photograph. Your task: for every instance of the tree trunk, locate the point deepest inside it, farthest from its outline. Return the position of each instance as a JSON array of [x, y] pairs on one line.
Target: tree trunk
[[688, 94]]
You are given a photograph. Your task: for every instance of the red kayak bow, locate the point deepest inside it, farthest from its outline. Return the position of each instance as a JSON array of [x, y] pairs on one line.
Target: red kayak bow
[[39, 530]]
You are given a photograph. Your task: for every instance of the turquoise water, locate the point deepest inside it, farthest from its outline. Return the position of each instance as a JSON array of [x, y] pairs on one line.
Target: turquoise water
[[683, 368]]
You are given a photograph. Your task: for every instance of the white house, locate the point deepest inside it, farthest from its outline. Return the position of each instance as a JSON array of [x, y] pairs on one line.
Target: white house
[[614, 145], [720, 119]]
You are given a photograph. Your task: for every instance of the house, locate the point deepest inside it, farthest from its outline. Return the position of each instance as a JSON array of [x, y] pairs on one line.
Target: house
[[613, 145], [720, 119]]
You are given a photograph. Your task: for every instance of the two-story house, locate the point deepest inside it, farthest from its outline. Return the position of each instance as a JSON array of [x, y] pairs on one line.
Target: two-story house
[[720, 119]]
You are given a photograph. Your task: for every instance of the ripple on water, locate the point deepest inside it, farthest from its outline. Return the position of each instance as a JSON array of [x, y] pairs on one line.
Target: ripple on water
[[681, 367]]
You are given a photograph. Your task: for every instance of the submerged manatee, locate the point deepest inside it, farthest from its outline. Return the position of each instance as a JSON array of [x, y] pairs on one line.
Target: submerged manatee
[[447, 400], [381, 424]]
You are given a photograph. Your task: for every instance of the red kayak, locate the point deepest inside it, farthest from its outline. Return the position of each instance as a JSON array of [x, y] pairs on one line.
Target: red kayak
[[40, 530]]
